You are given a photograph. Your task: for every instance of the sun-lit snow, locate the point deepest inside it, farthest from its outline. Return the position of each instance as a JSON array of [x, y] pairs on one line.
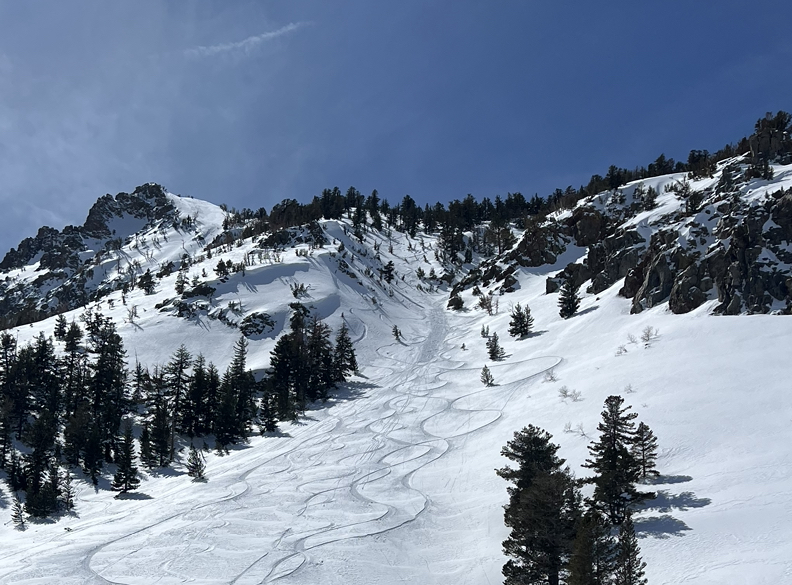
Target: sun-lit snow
[[392, 481]]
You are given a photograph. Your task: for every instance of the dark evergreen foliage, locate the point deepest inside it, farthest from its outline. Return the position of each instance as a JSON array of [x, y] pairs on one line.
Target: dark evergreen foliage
[[629, 568], [196, 467], [568, 300], [126, 477], [644, 450], [616, 469], [521, 321], [542, 512], [494, 350], [594, 552]]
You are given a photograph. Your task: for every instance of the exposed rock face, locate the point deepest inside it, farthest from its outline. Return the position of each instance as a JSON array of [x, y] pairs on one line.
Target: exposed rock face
[[66, 258]]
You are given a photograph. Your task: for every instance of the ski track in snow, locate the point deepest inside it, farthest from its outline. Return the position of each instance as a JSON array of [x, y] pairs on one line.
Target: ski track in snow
[[346, 477]]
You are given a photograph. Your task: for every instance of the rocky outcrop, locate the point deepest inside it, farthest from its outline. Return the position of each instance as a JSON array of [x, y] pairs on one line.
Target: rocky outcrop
[[63, 267]]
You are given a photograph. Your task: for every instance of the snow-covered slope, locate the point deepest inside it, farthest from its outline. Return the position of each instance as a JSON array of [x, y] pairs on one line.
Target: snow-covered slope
[[392, 481]]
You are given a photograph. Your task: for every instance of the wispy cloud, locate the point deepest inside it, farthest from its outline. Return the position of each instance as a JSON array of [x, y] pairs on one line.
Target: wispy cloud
[[245, 46]]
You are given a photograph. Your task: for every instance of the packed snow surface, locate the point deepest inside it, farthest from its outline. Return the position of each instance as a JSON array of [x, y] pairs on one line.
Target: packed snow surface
[[392, 480]]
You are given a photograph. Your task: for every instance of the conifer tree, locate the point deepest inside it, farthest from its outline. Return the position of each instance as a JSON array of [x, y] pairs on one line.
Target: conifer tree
[[147, 457], [61, 326], [616, 469], [486, 377], [196, 467], [494, 350], [126, 477], [396, 333], [521, 321], [268, 422], [146, 282], [568, 300], [644, 449], [542, 511], [344, 359], [181, 283], [92, 453], [177, 378], [18, 514], [593, 552], [629, 568], [67, 491]]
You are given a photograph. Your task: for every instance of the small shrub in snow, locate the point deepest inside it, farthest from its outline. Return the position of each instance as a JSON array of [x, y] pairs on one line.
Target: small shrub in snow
[[575, 396], [628, 389], [649, 333], [631, 338], [563, 392], [621, 350], [550, 376]]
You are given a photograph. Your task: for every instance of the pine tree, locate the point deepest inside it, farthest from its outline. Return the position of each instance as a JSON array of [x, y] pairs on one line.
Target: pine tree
[[568, 300], [61, 326], [126, 478], [486, 377], [18, 514], [593, 552], [344, 359], [181, 283], [92, 454], [644, 449], [195, 465], [494, 350], [521, 321], [387, 272], [396, 333], [146, 282], [616, 469], [177, 378], [542, 511], [268, 422], [629, 566], [68, 493], [147, 457]]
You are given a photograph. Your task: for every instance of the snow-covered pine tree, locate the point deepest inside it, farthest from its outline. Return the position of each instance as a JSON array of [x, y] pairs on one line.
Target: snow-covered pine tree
[[196, 467], [568, 300], [486, 377], [126, 477], [629, 569], [494, 350], [616, 469], [644, 449]]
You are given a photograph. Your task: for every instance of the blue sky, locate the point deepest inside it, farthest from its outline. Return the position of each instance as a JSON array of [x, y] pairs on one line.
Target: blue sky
[[248, 103]]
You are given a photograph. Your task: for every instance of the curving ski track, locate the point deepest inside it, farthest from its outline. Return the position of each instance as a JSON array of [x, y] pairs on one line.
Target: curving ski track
[[268, 512]]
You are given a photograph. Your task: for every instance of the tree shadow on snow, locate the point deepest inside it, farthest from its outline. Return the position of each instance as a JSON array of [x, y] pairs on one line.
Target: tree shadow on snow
[[666, 501], [668, 479], [533, 334], [586, 311], [133, 496], [664, 526]]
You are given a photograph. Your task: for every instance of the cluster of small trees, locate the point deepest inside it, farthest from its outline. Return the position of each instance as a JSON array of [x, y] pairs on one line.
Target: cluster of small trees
[[557, 535], [305, 364]]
